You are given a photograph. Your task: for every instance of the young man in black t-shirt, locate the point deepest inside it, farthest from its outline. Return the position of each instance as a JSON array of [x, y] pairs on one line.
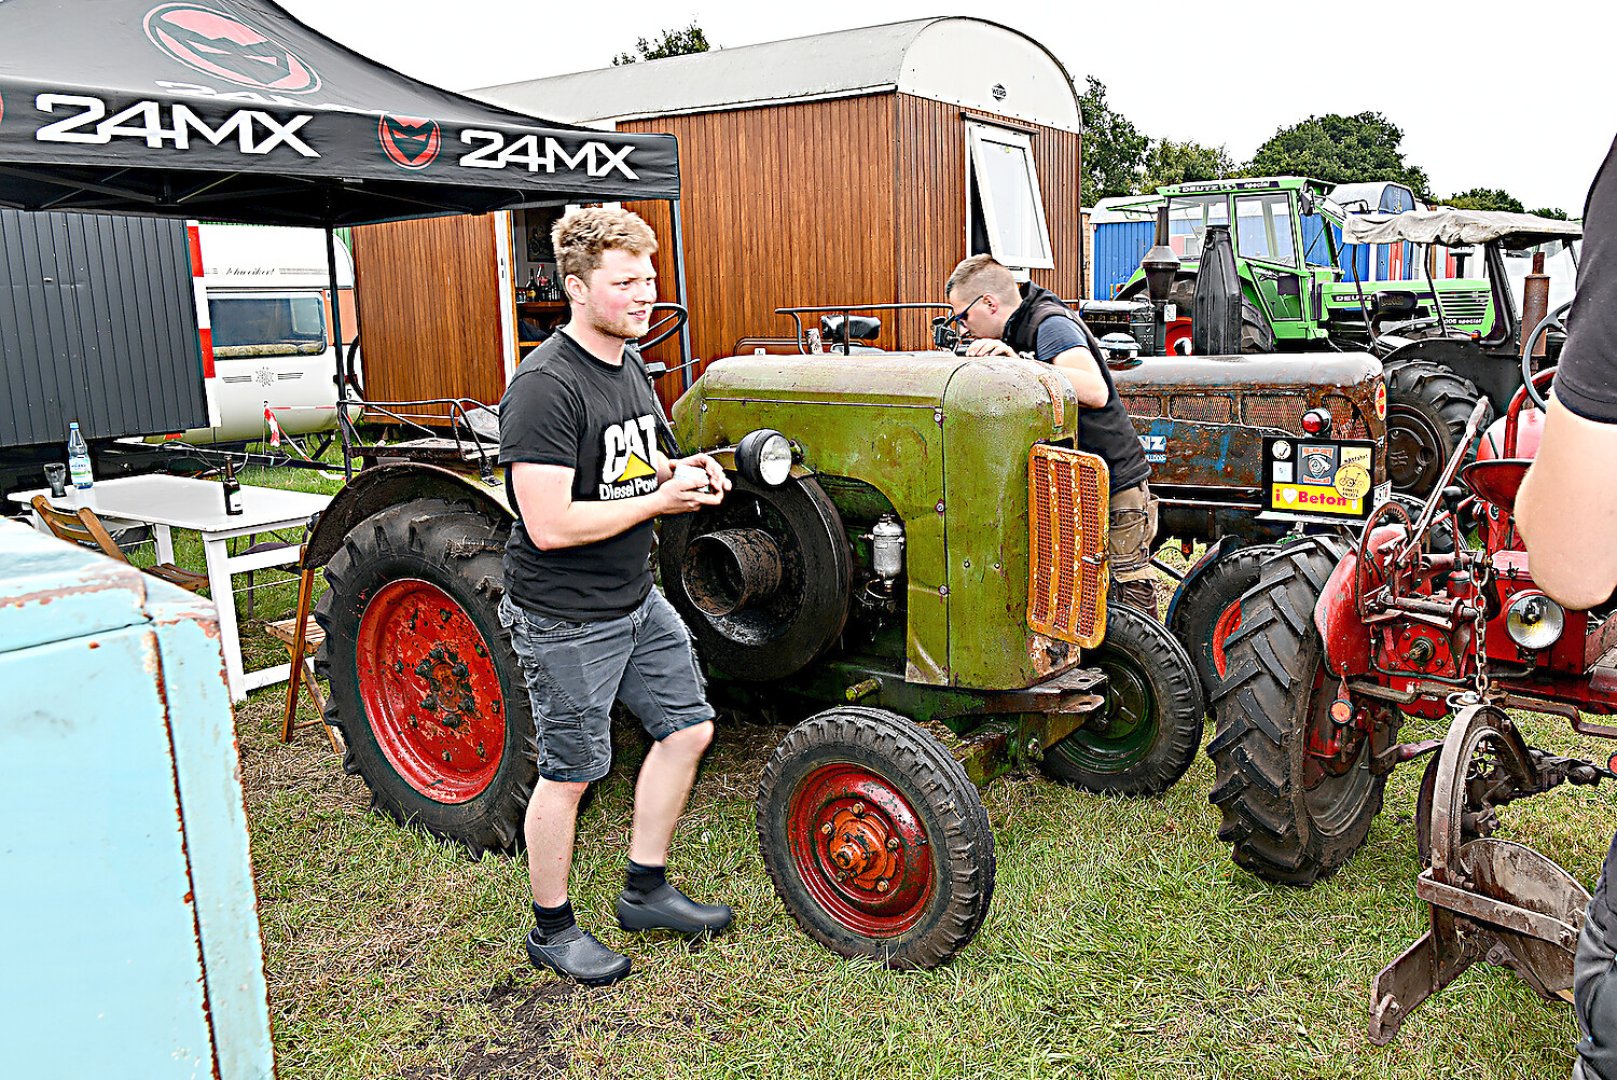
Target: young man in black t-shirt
[[578, 439], [1567, 513], [1010, 320]]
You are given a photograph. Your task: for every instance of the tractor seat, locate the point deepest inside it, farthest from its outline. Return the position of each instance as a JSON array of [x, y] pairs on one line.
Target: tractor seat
[[860, 327], [1497, 480]]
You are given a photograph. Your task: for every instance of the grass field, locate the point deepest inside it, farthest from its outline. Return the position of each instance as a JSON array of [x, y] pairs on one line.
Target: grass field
[[1121, 942]]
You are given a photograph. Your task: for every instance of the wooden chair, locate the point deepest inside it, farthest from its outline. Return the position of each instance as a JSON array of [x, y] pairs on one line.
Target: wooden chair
[[301, 634], [81, 526]]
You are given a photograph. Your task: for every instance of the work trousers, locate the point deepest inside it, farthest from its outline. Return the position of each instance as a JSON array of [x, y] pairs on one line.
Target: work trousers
[[1132, 529]]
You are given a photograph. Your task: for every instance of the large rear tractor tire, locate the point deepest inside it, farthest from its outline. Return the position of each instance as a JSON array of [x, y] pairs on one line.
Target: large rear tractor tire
[[425, 687], [876, 841], [1427, 409], [1257, 336], [1147, 734], [1210, 610], [1292, 814]]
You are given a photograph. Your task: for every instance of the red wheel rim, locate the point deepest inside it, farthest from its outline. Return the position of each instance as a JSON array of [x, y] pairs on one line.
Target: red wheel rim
[[430, 690], [1229, 620], [861, 850]]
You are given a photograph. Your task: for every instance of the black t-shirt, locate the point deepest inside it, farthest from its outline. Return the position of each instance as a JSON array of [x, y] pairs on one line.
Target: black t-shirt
[[565, 407], [1586, 380]]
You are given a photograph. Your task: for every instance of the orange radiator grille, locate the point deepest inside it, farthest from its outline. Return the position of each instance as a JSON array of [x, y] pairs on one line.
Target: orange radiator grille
[[1067, 508]]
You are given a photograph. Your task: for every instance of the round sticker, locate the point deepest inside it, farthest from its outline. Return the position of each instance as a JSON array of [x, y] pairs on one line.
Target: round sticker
[[1352, 482]]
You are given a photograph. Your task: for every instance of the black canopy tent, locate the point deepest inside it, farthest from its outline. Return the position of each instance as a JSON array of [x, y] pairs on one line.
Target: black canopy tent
[[232, 110]]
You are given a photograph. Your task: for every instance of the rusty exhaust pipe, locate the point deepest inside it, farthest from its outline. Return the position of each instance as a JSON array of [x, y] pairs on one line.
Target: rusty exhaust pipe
[[1536, 302], [725, 571]]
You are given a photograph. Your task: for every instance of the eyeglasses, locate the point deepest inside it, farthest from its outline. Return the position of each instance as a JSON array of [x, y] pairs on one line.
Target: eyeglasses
[[960, 317]]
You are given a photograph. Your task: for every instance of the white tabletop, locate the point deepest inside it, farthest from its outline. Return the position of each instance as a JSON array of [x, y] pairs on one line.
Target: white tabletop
[[183, 502]]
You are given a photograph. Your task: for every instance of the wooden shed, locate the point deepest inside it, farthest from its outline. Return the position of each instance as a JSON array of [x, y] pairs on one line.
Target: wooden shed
[[849, 167]]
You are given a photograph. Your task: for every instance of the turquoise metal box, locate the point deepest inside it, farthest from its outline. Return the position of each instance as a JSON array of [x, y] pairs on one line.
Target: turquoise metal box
[[129, 936]]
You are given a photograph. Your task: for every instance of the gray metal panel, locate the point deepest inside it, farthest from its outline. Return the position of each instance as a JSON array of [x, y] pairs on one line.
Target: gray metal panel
[[98, 324]]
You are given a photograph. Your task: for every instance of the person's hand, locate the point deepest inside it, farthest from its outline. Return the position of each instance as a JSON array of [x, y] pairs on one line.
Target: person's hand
[[989, 347], [715, 471], [683, 494]]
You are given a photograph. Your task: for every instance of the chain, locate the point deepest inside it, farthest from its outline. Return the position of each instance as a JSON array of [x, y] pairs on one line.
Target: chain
[[1481, 572]]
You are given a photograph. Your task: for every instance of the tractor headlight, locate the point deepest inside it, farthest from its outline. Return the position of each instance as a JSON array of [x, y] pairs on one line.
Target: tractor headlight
[[764, 457], [1534, 621]]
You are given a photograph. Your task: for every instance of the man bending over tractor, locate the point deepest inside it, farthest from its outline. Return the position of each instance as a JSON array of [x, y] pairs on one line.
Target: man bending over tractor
[[1567, 514], [578, 438], [1006, 320]]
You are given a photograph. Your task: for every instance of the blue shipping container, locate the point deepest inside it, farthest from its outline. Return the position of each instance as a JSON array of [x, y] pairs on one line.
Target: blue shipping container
[[1119, 247]]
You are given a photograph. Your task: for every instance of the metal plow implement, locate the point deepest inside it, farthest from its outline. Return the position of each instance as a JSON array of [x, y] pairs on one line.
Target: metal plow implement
[[1491, 901]]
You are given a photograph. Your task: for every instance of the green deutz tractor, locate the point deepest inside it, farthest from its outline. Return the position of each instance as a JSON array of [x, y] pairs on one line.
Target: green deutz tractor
[[1297, 295], [911, 568]]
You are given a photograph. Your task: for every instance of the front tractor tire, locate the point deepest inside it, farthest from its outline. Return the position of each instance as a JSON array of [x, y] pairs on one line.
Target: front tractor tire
[[875, 840], [1292, 813], [425, 686], [1427, 409], [1148, 731], [1210, 610]]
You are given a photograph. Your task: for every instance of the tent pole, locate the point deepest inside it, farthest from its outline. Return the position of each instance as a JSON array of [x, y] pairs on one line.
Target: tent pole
[[680, 296], [342, 364]]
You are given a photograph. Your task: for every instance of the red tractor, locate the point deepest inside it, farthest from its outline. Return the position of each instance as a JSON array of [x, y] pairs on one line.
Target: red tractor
[[1338, 643]]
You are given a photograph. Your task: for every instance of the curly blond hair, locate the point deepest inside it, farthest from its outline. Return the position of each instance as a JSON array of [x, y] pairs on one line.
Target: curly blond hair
[[580, 237]]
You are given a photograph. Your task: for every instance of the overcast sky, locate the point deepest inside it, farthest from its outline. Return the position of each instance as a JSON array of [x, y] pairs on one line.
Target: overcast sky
[[1455, 76]]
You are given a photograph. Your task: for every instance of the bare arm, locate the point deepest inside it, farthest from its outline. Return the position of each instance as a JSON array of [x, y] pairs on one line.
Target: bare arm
[[544, 496], [1567, 509], [1079, 365]]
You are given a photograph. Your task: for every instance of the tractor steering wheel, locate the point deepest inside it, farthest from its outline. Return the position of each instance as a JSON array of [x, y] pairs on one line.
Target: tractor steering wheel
[[664, 328], [1555, 320]]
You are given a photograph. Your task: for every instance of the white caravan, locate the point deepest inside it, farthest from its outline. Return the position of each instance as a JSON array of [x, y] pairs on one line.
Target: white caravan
[[268, 316]]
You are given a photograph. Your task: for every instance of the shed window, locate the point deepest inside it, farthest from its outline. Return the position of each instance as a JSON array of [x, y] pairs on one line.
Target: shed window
[[1004, 204]]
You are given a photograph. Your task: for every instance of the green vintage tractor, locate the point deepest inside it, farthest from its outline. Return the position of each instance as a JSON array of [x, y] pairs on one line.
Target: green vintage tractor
[[910, 568], [1208, 425]]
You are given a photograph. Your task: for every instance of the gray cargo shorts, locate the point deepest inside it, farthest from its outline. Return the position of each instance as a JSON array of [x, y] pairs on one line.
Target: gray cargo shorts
[[575, 670]]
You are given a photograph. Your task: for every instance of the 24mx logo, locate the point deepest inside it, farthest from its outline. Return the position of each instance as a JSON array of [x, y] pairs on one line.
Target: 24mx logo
[[408, 142], [254, 132], [597, 158]]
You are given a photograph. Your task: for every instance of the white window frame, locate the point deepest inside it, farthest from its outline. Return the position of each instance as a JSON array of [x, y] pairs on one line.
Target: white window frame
[[976, 135]]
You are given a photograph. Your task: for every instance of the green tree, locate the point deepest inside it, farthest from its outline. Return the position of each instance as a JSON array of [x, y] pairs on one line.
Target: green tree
[[1113, 149], [1552, 212], [1339, 150], [676, 42], [1481, 198], [1169, 162]]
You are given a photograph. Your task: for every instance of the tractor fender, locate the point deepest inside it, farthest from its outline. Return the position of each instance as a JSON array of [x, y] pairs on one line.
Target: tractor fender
[[1336, 616], [382, 486], [1215, 551], [1529, 429]]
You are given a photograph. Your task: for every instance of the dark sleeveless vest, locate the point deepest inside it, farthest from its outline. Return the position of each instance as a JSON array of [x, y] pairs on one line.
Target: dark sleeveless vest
[[1106, 431]]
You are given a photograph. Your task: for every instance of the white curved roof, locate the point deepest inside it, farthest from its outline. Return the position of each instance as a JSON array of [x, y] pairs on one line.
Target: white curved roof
[[974, 63]]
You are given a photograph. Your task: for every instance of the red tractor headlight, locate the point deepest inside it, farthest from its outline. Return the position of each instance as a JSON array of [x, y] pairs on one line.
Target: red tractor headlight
[[1317, 422], [1534, 621]]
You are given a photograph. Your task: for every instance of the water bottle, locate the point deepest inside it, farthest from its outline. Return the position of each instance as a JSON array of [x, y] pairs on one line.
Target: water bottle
[[78, 458]]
